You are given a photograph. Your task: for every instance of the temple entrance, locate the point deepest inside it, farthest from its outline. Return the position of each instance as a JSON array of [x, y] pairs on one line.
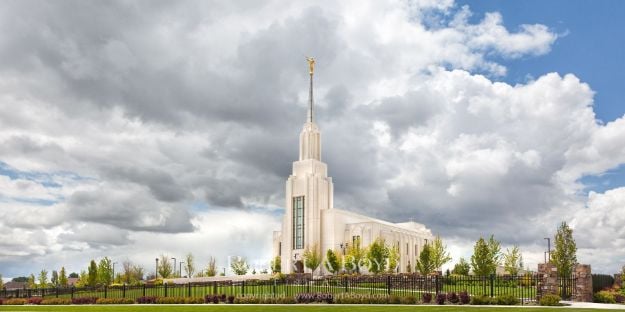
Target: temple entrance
[[298, 266]]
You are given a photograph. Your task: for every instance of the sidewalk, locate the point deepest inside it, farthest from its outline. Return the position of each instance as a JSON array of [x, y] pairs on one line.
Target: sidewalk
[[592, 305]]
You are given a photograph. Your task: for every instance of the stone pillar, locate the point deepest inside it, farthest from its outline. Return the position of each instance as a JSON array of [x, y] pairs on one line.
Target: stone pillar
[[583, 283], [547, 280]]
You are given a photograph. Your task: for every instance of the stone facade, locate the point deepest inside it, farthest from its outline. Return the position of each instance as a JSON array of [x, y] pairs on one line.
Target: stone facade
[[583, 283], [548, 283]]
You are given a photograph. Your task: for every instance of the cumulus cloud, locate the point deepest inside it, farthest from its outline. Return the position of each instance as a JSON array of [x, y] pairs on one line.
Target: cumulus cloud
[[147, 128]]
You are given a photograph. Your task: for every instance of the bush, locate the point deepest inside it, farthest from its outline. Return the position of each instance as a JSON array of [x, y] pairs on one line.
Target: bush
[[507, 300], [440, 298], [464, 297], [550, 300], [193, 300], [393, 299], [453, 297], [314, 298], [146, 300], [175, 300], [56, 301], [16, 301], [215, 298], [481, 300], [619, 298], [408, 300], [35, 300], [604, 296], [114, 301], [84, 300], [230, 299], [426, 298]]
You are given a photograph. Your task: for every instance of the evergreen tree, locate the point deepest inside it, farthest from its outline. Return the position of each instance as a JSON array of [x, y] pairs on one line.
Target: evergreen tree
[[393, 258], [486, 256], [312, 259], [462, 267], [377, 256], [189, 265], [105, 271], [513, 261], [333, 263], [564, 255], [276, 265], [439, 253], [239, 266], [424, 264], [92, 273], [55, 278]]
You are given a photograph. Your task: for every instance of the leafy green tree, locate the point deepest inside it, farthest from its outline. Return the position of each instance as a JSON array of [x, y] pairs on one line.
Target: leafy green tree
[[31, 281], [73, 275], [377, 256], [105, 271], [425, 265], [92, 272], [239, 266], [276, 265], [333, 262], [211, 268], [43, 278], [83, 279], [356, 257], [439, 254], [393, 258], [312, 258], [1, 282], [513, 261], [63, 278], [462, 267], [55, 278], [165, 267], [486, 256], [564, 255], [189, 265], [20, 279]]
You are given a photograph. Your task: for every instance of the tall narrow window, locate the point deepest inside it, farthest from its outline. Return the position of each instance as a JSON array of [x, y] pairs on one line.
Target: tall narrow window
[[298, 222]]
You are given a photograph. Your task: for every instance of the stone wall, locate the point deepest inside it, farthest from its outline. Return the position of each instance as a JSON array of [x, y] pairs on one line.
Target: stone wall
[[548, 282], [583, 283]]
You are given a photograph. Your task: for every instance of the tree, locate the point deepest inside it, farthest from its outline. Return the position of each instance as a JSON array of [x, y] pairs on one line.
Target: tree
[[333, 262], [211, 268], [462, 267], [564, 255], [424, 264], [105, 271], [486, 256], [439, 253], [55, 278], [355, 256], [276, 265], [63, 278], [165, 267], [1, 282], [312, 259], [189, 265], [239, 266], [20, 279], [43, 278], [73, 275], [393, 259], [512, 261], [92, 273], [31, 281], [83, 279], [377, 256]]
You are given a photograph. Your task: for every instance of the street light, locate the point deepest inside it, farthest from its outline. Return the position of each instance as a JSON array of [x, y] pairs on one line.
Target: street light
[[548, 248], [114, 263], [156, 272], [174, 267], [180, 270]]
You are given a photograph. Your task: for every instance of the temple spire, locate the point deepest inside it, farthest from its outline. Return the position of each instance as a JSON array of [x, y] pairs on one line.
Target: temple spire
[[311, 65]]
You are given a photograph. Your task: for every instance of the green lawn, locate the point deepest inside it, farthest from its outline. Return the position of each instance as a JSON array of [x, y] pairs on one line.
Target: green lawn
[[287, 308]]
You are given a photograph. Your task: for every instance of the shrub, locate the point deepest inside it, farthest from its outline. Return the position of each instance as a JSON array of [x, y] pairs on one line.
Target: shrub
[[35, 300], [550, 300], [84, 300], [393, 299], [440, 298], [230, 299], [426, 298], [16, 301], [114, 301], [507, 300], [314, 298], [408, 300], [480, 300], [193, 300], [453, 297], [619, 298], [604, 296], [146, 300], [171, 300], [464, 297], [56, 301]]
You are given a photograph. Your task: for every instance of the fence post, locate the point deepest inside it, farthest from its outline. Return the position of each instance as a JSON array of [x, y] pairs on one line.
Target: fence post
[[214, 287], [57, 291], [388, 284], [124, 290], [492, 285], [165, 288], [189, 292], [105, 288], [436, 283], [274, 287], [242, 288], [143, 290], [72, 292]]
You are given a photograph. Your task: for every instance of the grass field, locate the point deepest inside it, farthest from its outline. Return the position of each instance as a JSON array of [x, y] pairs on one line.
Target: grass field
[[287, 308]]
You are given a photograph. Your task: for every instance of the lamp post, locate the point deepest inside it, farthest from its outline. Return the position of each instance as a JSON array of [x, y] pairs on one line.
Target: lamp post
[[174, 268], [548, 249], [180, 270], [156, 271], [114, 263], [344, 246]]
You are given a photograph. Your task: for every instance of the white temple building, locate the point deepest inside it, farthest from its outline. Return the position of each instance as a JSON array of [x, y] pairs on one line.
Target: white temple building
[[310, 216]]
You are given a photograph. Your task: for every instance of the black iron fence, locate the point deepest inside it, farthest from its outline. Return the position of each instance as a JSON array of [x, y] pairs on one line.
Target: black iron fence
[[524, 287], [601, 281]]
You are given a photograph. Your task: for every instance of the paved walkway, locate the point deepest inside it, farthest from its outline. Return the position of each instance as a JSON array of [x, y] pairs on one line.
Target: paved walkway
[[592, 305]]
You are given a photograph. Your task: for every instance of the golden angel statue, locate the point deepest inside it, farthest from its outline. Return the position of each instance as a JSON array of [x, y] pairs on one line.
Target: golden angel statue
[[311, 64]]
